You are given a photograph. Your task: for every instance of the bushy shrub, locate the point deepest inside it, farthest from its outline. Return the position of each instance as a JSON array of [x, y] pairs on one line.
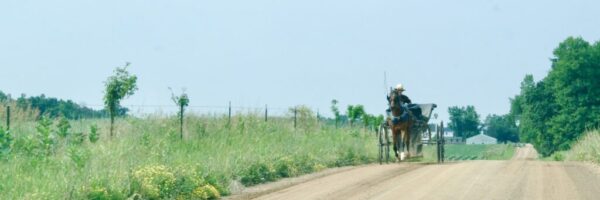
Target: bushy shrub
[[185, 186], [62, 128], [318, 167], [100, 190], [194, 187], [219, 181], [281, 168], [94, 137], [558, 156], [160, 182], [45, 138], [6, 141], [305, 163], [77, 138], [258, 173], [101, 193], [27, 145], [153, 182], [285, 167], [206, 192], [350, 157], [79, 155]]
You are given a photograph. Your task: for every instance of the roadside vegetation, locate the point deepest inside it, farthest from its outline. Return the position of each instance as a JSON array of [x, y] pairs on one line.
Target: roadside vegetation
[[587, 149], [61, 159], [555, 111], [54, 152], [551, 113]]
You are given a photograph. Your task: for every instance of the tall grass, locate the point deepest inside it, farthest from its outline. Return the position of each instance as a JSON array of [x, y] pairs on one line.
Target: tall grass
[[587, 148], [17, 114], [247, 150]]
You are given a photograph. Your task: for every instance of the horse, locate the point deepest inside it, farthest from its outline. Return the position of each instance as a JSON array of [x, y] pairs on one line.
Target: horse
[[401, 122]]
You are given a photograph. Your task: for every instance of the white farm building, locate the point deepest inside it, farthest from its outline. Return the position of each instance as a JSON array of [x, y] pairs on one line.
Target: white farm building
[[481, 139]]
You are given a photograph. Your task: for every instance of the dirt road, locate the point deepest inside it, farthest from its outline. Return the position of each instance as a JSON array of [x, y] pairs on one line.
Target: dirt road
[[519, 178]]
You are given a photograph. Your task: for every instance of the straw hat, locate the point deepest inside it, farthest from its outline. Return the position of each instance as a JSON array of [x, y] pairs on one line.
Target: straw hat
[[400, 87]]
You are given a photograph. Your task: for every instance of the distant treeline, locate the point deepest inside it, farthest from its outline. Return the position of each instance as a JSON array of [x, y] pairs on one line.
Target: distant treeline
[[53, 107], [556, 110]]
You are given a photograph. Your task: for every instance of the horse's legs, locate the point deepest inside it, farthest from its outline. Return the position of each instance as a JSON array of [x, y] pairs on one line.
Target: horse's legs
[[406, 141], [395, 139]]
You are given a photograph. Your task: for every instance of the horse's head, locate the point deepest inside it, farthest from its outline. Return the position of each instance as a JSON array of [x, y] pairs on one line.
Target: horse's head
[[394, 100]]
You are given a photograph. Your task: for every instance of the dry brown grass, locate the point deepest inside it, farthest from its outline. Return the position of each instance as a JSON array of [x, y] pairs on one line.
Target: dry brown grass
[[587, 148]]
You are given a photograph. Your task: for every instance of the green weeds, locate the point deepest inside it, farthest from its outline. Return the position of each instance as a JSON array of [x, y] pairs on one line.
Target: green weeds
[[148, 160]]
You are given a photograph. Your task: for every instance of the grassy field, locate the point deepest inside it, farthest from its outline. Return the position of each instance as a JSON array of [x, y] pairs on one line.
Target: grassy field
[[147, 159], [471, 152]]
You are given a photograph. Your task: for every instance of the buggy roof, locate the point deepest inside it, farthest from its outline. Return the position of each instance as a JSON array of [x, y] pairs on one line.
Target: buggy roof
[[427, 109]]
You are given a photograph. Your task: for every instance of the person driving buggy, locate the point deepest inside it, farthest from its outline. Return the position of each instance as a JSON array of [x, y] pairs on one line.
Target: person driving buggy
[[403, 98]]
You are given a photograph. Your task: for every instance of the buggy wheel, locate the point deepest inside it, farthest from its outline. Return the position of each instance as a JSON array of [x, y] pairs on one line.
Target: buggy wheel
[[387, 143], [381, 142]]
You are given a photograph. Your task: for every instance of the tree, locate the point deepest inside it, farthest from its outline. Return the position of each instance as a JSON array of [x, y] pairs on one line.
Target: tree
[[118, 86], [53, 107], [359, 112], [533, 109], [556, 110], [181, 101], [350, 113], [574, 83], [378, 120], [516, 108], [354, 113], [3, 97], [464, 121], [335, 111], [367, 119], [502, 127], [306, 117]]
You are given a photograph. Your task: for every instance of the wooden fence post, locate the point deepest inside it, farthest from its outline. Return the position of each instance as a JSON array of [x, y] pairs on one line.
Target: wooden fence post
[[266, 112], [295, 115], [429, 134], [229, 118], [438, 143], [7, 117], [318, 117], [443, 142], [181, 122]]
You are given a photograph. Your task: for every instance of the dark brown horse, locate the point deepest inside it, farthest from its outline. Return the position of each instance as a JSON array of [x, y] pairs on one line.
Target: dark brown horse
[[401, 123]]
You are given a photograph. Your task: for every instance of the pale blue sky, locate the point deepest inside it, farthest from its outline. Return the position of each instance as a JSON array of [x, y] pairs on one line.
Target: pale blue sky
[[284, 53]]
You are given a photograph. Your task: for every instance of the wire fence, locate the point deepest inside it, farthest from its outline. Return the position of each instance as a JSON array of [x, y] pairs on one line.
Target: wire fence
[[230, 109], [266, 112]]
